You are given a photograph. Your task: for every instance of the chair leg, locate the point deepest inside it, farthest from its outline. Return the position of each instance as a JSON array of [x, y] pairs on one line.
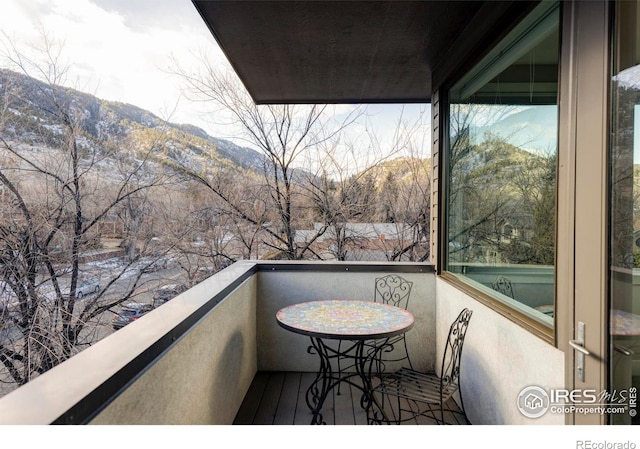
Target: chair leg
[[339, 368], [397, 411], [376, 414], [406, 350]]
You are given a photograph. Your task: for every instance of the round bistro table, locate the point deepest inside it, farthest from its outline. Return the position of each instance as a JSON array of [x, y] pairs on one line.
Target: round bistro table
[[351, 320]]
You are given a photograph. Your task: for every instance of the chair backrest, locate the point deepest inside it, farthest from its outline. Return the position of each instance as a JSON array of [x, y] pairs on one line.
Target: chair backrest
[[450, 373], [393, 289], [504, 286]]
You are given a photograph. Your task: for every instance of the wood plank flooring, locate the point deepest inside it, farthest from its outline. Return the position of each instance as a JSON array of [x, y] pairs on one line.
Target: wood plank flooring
[[278, 398]]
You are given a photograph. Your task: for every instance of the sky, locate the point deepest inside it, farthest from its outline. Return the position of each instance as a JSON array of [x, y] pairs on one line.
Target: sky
[[122, 50]]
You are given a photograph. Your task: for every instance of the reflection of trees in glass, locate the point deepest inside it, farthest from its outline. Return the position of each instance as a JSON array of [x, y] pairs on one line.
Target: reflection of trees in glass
[[501, 198], [624, 179], [543, 208]]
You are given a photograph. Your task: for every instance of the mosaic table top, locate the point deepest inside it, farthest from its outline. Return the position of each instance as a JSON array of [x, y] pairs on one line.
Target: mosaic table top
[[345, 319], [624, 323]]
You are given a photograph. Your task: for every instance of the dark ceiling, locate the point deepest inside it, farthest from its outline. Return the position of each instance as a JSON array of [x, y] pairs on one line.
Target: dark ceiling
[[336, 51]]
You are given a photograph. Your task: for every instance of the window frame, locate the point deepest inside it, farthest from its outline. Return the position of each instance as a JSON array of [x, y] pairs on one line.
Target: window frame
[[524, 320]]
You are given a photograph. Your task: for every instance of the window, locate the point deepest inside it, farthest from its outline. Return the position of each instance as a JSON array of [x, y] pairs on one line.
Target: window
[[624, 205], [501, 169]]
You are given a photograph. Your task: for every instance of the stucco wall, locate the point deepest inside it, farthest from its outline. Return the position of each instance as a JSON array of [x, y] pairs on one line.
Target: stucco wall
[[282, 350], [499, 360], [205, 376]]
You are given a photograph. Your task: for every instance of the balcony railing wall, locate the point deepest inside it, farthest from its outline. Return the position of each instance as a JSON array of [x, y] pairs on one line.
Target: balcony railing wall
[[192, 360], [204, 376], [286, 284]]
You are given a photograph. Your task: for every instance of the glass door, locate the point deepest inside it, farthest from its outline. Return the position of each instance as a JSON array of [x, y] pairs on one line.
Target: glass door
[[624, 313]]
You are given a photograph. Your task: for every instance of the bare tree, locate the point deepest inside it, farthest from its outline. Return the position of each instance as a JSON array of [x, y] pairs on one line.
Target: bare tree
[[410, 211], [359, 194], [195, 231], [339, 198], [283, 133], [56, 192]]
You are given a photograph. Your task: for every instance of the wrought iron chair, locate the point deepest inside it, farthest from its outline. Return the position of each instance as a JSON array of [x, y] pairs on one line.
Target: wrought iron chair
[[503, 285], [423, 394], [394, 290]]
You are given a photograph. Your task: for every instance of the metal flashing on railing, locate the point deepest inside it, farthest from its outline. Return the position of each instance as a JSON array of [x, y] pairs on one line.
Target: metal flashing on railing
[[339, 267]]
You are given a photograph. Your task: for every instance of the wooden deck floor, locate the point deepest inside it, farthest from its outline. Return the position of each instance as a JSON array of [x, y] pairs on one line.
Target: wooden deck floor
[[278, 398]]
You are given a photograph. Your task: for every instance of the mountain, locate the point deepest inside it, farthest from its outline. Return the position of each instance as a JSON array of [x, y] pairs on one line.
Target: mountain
[[403, 170], [30, 118], [534, 129]]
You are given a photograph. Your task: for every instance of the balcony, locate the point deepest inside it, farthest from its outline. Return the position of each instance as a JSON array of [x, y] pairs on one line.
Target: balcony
[[215, 354]]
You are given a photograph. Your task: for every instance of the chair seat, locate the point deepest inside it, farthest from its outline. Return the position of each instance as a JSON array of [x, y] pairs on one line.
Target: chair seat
[[415, 385]]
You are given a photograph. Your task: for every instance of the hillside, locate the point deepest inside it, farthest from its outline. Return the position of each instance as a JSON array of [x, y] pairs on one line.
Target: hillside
[[402, 170], [29, 120]]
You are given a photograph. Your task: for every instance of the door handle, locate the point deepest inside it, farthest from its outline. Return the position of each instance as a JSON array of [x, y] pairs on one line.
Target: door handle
[[623, 350], [578, 345]]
